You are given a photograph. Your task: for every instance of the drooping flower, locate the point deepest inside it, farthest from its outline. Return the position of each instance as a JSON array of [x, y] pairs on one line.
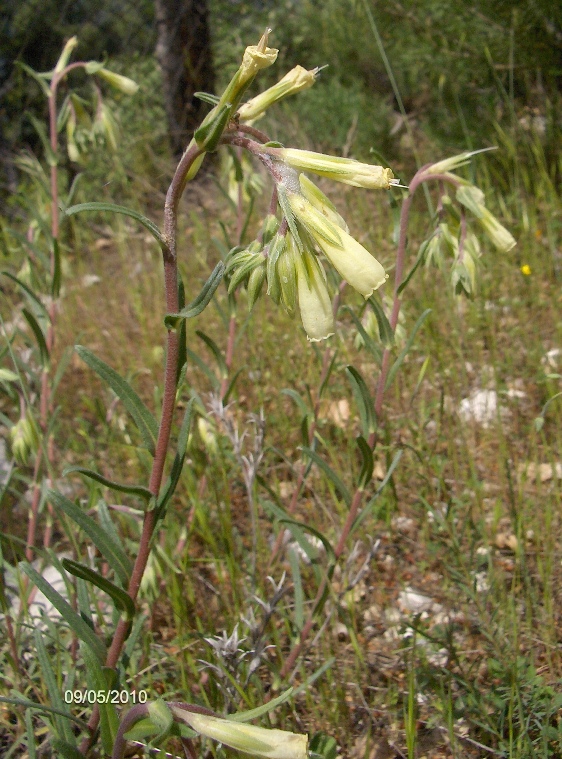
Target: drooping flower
[[315, 304], [353, 262], [473, 198]]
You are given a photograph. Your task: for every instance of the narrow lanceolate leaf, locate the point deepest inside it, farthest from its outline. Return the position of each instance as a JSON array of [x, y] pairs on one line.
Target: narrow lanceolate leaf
[[419, 260], [177, 466], [368, 341], [137, 490], [39, 78], [332, 476], [216, 351], [55, 284], [39, 336], [367, 510], [201, 301], [98, 680], [367, 463], [143, 418], [31, 745], [111, 551], [29, 292], [123, 601], [364, 401], [112, 208], [398, 363], [74, 620], [64, 726], [65, 750], [248, 716], [385, 330]]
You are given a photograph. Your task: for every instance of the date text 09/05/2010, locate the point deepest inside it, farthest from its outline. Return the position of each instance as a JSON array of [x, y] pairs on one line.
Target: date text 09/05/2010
[[105, 697]]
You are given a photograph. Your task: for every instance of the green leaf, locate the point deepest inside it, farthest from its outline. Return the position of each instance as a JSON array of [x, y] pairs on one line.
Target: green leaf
[[338, 484], [42, 708], [177, 466], [143, 418], [216, 351], [41, 130], [39, 78], [303, 687], [206, 97], [66, 750], [63, 725], [39, 336], [303, 408], [55, 284], [231, 385], [7, 375], [29, 292], [398, 363], [122, 600], [419, 260], [323, 745], [211, 376], [367, 463], [112, 208], [75, 621], [259, 711], [98, 681], [367, 510], [328, 374], [364, 401], [137, 490], [201, 301], [385, 330], [31, 746], [111, 551], [368, 341], [298, 593], [208, 135]]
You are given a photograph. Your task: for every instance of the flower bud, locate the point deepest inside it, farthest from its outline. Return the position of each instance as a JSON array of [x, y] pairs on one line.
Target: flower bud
[[24, 438], [315, 196], [294, 81], [255, 282], [345, 170], [65, 55], [122, 83], [208, 436], [473, 198], [257, 741]]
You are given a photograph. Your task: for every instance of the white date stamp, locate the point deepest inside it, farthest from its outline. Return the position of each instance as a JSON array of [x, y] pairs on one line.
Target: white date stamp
[[105, 696]]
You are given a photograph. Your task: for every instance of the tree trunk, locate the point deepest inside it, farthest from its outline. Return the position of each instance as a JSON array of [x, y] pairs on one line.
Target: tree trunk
[[183, 50]]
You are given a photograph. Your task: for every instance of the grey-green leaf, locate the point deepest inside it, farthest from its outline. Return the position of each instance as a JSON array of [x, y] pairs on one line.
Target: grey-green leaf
[[143, 418], [200, 302], [364, 401], [122, 600], [112, 208], [137, 490], [398, 363], [75, 622], [344, 492], [109, 549]]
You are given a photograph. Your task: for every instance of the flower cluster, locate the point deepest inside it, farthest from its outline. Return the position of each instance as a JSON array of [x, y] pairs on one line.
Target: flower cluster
[[287, 252]]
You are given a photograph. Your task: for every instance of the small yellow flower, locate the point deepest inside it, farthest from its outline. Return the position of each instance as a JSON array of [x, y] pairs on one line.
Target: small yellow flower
[[526, 270]]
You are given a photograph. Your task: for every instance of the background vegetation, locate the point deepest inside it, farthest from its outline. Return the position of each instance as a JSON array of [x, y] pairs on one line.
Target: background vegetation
[[443, 632]]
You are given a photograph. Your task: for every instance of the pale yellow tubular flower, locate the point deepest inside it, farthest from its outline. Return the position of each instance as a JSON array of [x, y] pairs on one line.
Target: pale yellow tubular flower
[[296, 80], [353, 262], [345, 170], [121, 83], [65, 55], [257, 741], [315, 304]]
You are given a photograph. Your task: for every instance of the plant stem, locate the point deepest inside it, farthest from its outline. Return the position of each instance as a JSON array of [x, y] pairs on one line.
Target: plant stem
[[168, 406]]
